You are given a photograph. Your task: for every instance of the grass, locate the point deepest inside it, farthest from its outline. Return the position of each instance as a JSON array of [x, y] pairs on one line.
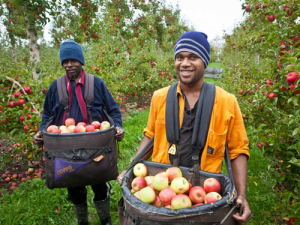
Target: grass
[[34, 203]]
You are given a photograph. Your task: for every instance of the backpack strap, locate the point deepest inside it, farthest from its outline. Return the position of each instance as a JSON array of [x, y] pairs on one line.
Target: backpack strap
[[89, 94], [63, 94]]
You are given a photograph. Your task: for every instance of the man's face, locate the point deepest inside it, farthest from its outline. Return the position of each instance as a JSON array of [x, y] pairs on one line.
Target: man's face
[[73, 68], [189, 67]]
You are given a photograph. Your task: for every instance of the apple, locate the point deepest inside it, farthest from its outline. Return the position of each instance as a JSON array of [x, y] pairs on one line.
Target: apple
[[173, 172], [197, 194], [151, 185], [149, 179], [62, 127], [138, 183], [79, 129], [181, 201], [180, 185], [272, 95], [30, 170], [105, 125], [211, 185], [57, 131], [198, 204], [166, 195], [65, 131], [90, 128], [292, 220], [69, 122], [160, 181], [157, 202], [96, 124], [271, 18], [140, 170], [137, 194], [241, 92], [81, 123], [292, 77], [147, 195], [71, 127], [212, 197], [292, 87], [269, 82], [248, 8], [51, 128], [168, 206]]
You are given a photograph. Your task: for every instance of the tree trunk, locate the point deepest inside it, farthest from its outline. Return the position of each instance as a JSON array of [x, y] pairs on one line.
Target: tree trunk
[[34, 49], [13, 45]]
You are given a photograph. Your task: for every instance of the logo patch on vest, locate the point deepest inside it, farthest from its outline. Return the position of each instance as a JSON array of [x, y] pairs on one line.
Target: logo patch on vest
[[210, 150], [64, 168]]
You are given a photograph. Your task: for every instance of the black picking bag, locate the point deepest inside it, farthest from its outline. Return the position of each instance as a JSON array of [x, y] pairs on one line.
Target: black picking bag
[[79, 159]]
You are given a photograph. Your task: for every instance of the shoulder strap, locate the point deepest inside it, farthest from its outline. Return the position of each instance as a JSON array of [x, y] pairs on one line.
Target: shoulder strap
[[89, 94], [63, 94]]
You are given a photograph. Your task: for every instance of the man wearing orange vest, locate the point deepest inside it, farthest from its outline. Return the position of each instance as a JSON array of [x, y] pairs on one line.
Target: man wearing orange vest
[[192, 55]]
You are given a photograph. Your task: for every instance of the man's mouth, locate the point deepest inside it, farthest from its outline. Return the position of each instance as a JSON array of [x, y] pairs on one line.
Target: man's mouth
[[186, 72]]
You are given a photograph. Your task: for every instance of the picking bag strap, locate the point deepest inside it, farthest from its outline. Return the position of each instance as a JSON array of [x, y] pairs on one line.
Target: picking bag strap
[[89, 94], [63, 94]]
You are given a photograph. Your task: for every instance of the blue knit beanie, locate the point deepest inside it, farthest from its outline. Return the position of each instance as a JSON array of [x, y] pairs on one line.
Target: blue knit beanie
[[194, 42], [71, 50]]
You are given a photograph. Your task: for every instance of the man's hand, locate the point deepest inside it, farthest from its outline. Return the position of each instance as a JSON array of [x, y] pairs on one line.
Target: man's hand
[[120, 177], [37, 139], [246, 216], [119, 133]]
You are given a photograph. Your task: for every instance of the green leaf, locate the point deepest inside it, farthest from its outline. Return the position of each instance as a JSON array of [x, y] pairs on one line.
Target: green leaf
[[296, 131], [293, 59], [295, 161]]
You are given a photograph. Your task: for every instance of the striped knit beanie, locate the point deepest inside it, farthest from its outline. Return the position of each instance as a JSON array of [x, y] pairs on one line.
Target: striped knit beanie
[[194, 42]]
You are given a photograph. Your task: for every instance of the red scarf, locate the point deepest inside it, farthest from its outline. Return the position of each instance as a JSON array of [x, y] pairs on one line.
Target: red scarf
[[79, 95]]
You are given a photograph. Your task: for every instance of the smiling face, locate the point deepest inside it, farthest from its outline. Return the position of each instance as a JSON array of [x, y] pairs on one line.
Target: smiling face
[[190, 68], [73, 68]]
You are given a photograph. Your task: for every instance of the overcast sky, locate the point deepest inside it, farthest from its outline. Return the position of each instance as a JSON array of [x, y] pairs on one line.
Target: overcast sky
[[210, 16]]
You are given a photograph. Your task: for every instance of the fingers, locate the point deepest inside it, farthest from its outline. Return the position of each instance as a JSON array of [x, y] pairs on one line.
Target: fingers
[[119, 133], [246, 212], [120, 177], [37, 139]]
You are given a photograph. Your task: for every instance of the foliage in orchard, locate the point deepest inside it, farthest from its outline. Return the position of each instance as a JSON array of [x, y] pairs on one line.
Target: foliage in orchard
[[129, 44], [260, 55]]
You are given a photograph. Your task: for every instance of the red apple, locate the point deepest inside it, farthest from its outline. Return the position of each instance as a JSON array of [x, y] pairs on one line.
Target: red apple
[[197, 194], [140, 170], [292, 77], [269, 82], [79, 129], [173, 172], [241, 92], [180, 185], [198, 204], [166, 195], [90, 128], [188, 191], [51, 128], [271, 18], [181, 201], [169, 207], [69, 122], [157, 202], [96, 124], [57, 131], [105, 125], [212, 185], [160, 181], [81, 123], [292, 87], [212, 197], [147, 195], [272, 95], [248, 8], [138, 183]]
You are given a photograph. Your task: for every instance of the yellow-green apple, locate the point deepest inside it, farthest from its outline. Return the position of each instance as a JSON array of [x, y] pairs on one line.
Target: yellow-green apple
[[62, 127], [137, 194], [57, 131], [166, 195], [180, 185], [149, 179], [69, 122], [292, 77], [173, 172], [90, 128], [157, 202], [96, 124], [71, 127], [138, 183], [147, 195], [188, 191], [65, 131], [81, 123], [211, 185], [181, 201], [168, 206], [79, 129], [51, 128], [105, 125], [212, 197], [140, 170], [160, 181], [197, 194]]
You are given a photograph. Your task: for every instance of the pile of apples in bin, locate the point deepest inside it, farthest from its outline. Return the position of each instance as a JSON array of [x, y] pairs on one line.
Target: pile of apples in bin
[[71, 127], [171, 190]]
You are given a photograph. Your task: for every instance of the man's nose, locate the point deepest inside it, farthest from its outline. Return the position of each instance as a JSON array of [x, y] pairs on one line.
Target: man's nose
[[185, 62]]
